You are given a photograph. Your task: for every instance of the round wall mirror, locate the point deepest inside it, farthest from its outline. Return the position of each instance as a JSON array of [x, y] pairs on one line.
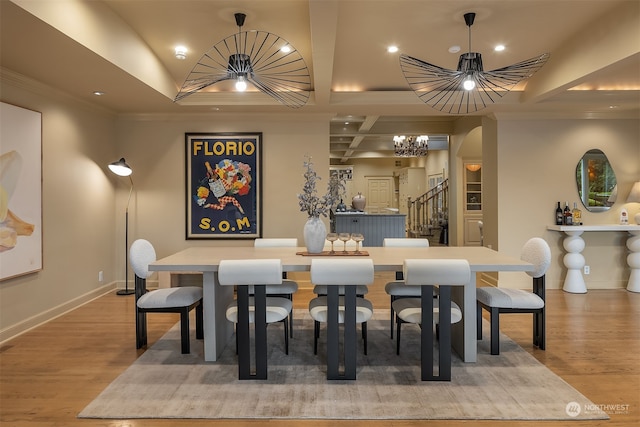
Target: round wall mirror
[[596, 181]]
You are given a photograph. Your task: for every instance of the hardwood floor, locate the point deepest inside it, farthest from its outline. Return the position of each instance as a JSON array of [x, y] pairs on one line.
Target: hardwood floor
[[48, 375]]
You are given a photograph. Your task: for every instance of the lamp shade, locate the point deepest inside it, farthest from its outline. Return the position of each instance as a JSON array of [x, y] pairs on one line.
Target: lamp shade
[[634, 194], [121, 167]]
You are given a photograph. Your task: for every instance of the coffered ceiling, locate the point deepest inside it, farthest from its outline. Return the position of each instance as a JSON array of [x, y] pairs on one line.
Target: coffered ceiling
[[125, 49]]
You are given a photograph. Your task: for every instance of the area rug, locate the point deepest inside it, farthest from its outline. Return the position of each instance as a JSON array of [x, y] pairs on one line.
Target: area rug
[[163, 383]]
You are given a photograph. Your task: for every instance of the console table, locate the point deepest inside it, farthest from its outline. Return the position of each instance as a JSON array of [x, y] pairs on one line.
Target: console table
[[574, 261]]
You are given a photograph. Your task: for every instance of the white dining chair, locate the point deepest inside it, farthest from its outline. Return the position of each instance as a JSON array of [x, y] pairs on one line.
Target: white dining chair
[[425, 274], [288, 287], [346, 309], [505, 300], [258, 309], [398, 289], [167, 300]]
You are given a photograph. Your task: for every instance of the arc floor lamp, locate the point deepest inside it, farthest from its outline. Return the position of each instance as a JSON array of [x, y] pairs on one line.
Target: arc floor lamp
[[121, 168]]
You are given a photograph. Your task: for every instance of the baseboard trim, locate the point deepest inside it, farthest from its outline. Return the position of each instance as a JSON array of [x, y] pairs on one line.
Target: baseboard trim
[[26, 325]]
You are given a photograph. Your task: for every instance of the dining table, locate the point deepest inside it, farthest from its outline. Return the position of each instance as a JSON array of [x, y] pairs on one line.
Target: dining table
[[218, 331]]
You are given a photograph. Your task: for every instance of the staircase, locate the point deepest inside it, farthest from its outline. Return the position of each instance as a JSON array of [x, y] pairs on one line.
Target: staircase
[[428, 215]]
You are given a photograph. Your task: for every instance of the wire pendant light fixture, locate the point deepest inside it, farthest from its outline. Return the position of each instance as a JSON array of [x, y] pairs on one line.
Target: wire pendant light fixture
[[258, 58], [469, 88], [411, 146]]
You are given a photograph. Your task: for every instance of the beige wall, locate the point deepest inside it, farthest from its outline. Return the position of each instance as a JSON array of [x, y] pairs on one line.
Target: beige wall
[[536, 160], [154, 147], [363, 168], [78, 208], [528, 167]]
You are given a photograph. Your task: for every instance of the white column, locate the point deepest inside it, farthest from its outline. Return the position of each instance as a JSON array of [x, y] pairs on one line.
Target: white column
[[574, 261], [633, 259]]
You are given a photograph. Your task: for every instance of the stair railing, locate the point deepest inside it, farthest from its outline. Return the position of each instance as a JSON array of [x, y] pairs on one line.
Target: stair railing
[[428, 212]]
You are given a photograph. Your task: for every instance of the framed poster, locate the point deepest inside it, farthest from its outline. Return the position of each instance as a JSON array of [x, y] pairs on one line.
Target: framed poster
[[20, 191], [224, 185]]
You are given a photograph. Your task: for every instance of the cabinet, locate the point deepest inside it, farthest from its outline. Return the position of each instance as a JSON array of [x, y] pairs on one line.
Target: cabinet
[[472, 202], [473, 187]]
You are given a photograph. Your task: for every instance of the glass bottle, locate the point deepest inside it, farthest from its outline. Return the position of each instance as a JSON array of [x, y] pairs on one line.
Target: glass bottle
[[577, 214]]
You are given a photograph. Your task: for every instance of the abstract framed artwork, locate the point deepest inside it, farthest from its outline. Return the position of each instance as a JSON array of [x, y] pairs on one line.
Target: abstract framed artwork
[[223, 185], [20, 191]]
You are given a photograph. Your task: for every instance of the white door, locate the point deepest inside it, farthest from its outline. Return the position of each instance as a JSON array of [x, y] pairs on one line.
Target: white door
[[379, 194]]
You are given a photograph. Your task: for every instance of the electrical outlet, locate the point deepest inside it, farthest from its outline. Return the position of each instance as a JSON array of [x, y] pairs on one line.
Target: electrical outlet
[[100, 276], [587, 269]]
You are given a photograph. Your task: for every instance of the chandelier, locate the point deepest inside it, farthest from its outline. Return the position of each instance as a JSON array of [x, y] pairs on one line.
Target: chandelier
[[264, 60], [411, 146], [469, 88]]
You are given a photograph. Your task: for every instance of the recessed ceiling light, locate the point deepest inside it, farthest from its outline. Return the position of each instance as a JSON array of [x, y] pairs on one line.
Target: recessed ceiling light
[[285, 49], [98, 93], [499, 48], [392, 49], [181, 52], [454, 49]]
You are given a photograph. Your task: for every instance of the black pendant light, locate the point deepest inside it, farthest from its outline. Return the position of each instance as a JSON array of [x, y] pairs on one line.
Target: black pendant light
[[468, 88], [253, 58]]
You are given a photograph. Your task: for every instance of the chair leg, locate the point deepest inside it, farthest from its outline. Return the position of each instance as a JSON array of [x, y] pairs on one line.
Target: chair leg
[[199, 321], [364, 336], [184, 330], [495, 331], [141, 328], [236, 334], [539, 330], [392, 316], [291, 318], [316, 334], [478, 321], [543, 329], [398, 325], [286, 335]]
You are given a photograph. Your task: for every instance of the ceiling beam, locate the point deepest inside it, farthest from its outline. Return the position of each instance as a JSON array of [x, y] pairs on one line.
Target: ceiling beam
[[323, 19], [612, 38]]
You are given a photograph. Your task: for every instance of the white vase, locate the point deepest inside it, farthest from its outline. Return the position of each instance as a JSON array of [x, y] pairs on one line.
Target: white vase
[[315, 234]]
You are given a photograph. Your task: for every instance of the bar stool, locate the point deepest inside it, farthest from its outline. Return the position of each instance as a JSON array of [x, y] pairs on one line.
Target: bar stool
[[258, 310], [335, 309], [427, 273]]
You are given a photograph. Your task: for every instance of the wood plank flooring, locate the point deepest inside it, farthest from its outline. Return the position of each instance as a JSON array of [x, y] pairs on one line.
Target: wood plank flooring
[[48, 375]]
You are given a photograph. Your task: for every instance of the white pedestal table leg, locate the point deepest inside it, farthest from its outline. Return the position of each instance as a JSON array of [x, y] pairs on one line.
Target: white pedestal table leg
[[633, 259], [574, 261], [217, 329]]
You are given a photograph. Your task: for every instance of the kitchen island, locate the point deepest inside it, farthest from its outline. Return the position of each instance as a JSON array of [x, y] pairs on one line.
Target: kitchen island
[[374, 227]]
